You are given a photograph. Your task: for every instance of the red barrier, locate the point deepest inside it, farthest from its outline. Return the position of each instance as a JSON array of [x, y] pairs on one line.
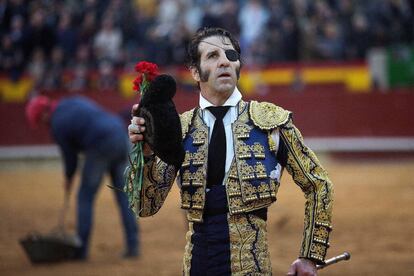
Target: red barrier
[[324, 111]]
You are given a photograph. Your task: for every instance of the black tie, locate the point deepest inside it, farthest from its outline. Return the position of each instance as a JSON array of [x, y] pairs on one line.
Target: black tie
[[217, 148]]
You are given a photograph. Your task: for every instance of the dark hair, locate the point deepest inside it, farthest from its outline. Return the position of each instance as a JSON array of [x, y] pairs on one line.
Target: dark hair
[[192, 50]]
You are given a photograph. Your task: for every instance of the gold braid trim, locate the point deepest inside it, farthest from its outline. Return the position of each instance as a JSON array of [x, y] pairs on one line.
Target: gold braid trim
[[268, 116], [157, 182], [249, 254], [310, 176], [186, 119], [188, 249]]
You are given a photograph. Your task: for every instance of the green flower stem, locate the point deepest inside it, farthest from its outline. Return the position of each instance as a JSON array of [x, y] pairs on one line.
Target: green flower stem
[[134, 177], [134, 173]]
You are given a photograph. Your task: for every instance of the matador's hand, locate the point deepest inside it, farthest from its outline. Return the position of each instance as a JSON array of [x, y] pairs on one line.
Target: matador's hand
[[302, 267], [137, 127], [136, 130]]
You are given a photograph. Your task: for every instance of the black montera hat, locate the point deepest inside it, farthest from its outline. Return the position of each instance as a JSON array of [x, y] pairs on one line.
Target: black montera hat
[[162, 122]]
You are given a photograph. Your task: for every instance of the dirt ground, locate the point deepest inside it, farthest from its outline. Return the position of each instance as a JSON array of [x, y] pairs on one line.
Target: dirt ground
[[373, 220]]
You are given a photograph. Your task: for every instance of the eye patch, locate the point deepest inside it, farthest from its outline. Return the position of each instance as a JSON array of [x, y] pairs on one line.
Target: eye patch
[[232, 55]]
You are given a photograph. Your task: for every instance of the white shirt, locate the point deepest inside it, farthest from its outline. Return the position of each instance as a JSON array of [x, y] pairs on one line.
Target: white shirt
[[228, 120]]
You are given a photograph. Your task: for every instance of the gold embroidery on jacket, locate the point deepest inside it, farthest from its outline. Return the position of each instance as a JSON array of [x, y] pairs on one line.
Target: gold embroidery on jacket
[[199, 137], [272, 144], [243, 150], [198, 157], [310, 176], [258, 150], [186, 119], [260, 170], [246, 171], [237, 206], [188, 250], [233, 171], [197, 200], [249, 191], [233, 187], [242, 131], [185, 178], [155, 186], [249, 253], [197, 178], [187, 157], [185, 199], [242, 195], [195, 215], [267, 116]]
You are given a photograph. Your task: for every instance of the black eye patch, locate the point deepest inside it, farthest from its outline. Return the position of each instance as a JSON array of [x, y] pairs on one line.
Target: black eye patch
[[232, 55]]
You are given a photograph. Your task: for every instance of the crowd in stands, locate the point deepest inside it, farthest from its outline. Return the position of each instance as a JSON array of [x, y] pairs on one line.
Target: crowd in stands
[[46, 38]]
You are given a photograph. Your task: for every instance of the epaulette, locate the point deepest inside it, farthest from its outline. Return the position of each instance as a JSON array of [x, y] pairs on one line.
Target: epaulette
[[268, 116], [186, 119]]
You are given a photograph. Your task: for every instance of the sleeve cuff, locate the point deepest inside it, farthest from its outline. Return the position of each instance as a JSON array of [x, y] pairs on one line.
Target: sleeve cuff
[[319, 244]]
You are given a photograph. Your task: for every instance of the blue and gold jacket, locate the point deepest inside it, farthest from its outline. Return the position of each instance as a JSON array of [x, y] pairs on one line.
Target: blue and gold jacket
[[250, 181]]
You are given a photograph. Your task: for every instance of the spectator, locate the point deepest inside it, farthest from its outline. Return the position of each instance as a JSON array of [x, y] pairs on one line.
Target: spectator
[[53, 79], [107, 80], [329, 44], [66, 35], [79, 79], [40, 35], [230, 10], [11, 59], [87, 29], [359, 38], [253, 17], [108, 41], [37, 67], [10, 9], [18, 32]]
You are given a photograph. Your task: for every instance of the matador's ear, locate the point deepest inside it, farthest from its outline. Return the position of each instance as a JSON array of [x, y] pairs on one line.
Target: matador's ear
[[195, 73]]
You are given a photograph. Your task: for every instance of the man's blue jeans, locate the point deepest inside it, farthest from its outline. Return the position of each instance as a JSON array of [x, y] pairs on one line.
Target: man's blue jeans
[[108, 156]]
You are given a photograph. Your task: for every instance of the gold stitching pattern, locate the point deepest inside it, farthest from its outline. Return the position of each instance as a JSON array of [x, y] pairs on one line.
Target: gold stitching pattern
[[187, 157], [233, 187], [308, 174], [195, 215], [267, 116], [258, 150], [195, 179], [197, 200], [241, 131], [249, 254], [185, 119], [188, 249], [243, 150], [199, 137], [185, 200], [197, 159], [246, 171], [260, 170], [157, 182]]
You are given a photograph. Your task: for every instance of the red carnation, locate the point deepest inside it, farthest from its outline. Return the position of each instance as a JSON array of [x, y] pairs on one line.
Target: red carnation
[[147, 72]]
